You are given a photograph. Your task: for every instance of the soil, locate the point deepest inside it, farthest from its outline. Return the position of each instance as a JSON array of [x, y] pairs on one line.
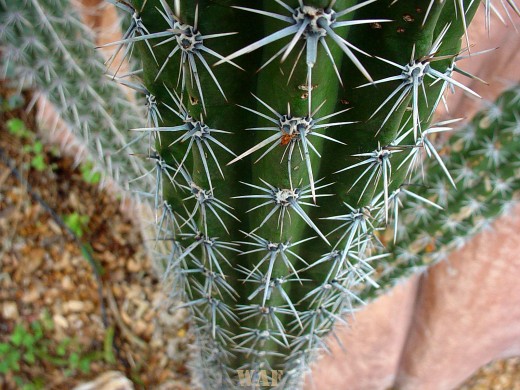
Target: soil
[[44, 275], [499, 375]]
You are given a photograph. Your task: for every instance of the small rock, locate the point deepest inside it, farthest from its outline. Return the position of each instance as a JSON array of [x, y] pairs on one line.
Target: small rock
[[133, 266], [34, 260], [111, 380], [73, 306], [148, 317], [126, 318], [98, 247], [109, 257], [31, 296], [118, 276], [60, 321], [140, 327], [66, 283], [10, 311], [117, 291], [54, 227]]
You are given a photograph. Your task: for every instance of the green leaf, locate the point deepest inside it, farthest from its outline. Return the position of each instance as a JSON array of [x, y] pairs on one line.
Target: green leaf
[[4, 348], [38, 147], [18, 380], [76, 222], [4, 367], [42, 350], [88, 175], [84, 365], [74, 360], [108, 351], [28, 340], [39, 383], [17, 128], [55, 152], [61, 350], [46, 320], [29, 357], [13, 361], [18, 335], [38, 162], [37, 329], [56, 361]]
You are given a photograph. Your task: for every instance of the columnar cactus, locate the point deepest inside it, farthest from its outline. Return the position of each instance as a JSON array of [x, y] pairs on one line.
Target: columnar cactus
[[273, 224], [282, 137], [46, 47], [487, 175]]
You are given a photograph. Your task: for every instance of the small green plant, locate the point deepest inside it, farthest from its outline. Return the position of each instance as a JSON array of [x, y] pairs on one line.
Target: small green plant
[[30, 344], [38, 156], [17, 127], [34, 147], [77, 223], [88, 173]]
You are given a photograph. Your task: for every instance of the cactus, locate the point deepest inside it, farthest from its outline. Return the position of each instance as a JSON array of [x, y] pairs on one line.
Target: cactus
[[46, 47], [487, 175], [282, 136]]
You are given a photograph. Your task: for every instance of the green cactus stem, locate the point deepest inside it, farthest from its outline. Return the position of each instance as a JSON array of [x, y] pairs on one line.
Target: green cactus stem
[[265, 220]]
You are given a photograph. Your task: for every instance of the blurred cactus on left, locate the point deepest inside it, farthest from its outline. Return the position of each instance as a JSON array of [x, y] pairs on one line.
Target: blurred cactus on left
[[46, 47]]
